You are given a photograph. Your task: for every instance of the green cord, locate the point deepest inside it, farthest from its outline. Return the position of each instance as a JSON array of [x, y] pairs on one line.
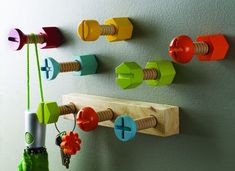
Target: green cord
[[28, 73], [39, 71], [28, 79]]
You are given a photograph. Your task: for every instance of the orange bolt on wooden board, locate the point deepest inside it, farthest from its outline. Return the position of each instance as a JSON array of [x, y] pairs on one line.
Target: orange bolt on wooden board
[[88, 118]]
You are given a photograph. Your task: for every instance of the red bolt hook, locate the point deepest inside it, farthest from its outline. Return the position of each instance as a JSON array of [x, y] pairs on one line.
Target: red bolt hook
[[87, 119], [206, 48], [182, 49]]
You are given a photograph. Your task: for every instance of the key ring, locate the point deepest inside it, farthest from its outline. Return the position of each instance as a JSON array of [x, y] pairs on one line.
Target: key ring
[[74, 115]]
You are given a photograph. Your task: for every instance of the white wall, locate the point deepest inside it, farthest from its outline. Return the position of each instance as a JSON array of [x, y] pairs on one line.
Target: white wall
[[204, 91]]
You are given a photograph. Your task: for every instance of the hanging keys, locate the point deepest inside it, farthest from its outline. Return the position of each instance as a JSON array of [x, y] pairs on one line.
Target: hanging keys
[[69, 144], [65, 158]]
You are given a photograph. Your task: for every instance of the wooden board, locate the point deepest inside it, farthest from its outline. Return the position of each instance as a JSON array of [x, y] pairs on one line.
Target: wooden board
[[167, 115]]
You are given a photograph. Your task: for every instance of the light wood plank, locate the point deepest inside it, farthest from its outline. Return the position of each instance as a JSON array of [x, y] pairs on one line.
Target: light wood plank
[[167, 115]]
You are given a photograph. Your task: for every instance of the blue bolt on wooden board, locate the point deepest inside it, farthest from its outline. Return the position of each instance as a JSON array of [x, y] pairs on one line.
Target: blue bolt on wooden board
[[125, 128]]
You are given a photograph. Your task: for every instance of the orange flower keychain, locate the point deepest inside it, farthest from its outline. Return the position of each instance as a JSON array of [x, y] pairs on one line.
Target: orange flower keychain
[[70, 143]]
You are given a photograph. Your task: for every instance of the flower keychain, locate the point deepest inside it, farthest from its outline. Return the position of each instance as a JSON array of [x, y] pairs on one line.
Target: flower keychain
[[69, 144]]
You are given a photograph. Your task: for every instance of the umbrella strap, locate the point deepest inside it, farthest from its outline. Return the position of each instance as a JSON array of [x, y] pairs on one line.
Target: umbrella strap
[[38, 71]]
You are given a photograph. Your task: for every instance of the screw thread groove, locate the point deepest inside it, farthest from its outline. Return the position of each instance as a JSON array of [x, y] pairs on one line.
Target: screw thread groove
[[69, 66], [144, 123], [201, 48], [150, 74], [107, 30], [67, 109], [105, 115], [39, 38]]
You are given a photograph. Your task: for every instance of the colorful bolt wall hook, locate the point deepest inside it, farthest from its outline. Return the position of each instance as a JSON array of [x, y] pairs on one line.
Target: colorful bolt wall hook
[[125, 127], [115, 29], [88, 118], [82, 65], [207, 48], [49, 112], [156, 73], [49, 37]]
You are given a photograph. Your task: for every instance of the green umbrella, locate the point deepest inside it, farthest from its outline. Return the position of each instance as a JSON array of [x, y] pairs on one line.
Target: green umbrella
[[34, 161]]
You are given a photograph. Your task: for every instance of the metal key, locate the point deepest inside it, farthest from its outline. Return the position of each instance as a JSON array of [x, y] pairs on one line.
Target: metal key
[[65, 158]]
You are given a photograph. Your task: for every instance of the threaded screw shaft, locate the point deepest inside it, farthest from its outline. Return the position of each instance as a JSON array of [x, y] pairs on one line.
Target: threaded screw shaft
[[39, 38], [200, 48], [70, 66], [105, 115], [150, 74], [107, 29], [144, 123], [67, 109]]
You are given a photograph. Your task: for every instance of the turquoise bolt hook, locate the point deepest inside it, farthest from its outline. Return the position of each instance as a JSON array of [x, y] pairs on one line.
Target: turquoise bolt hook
[[82, 65], [50, 69], [125, 128]]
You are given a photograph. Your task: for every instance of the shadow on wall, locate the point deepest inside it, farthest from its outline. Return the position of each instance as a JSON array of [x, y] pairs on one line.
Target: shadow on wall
[[187, 74], [194, 125], [105, 63], [69, 39], [141, 31], [231, 52]]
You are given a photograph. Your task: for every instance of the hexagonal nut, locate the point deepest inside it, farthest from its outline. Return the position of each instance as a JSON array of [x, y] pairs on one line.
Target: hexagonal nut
[[123, 28], [88, 65], [218, 47], [165, 70], [130, 75], [48, 112], [53, 36]]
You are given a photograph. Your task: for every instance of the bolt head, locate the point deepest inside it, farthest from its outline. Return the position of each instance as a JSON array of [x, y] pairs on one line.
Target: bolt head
[[130, 75], [16, 39], [87, 119], [89, 30], [181, 49], [50, 68], [125, 128]]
